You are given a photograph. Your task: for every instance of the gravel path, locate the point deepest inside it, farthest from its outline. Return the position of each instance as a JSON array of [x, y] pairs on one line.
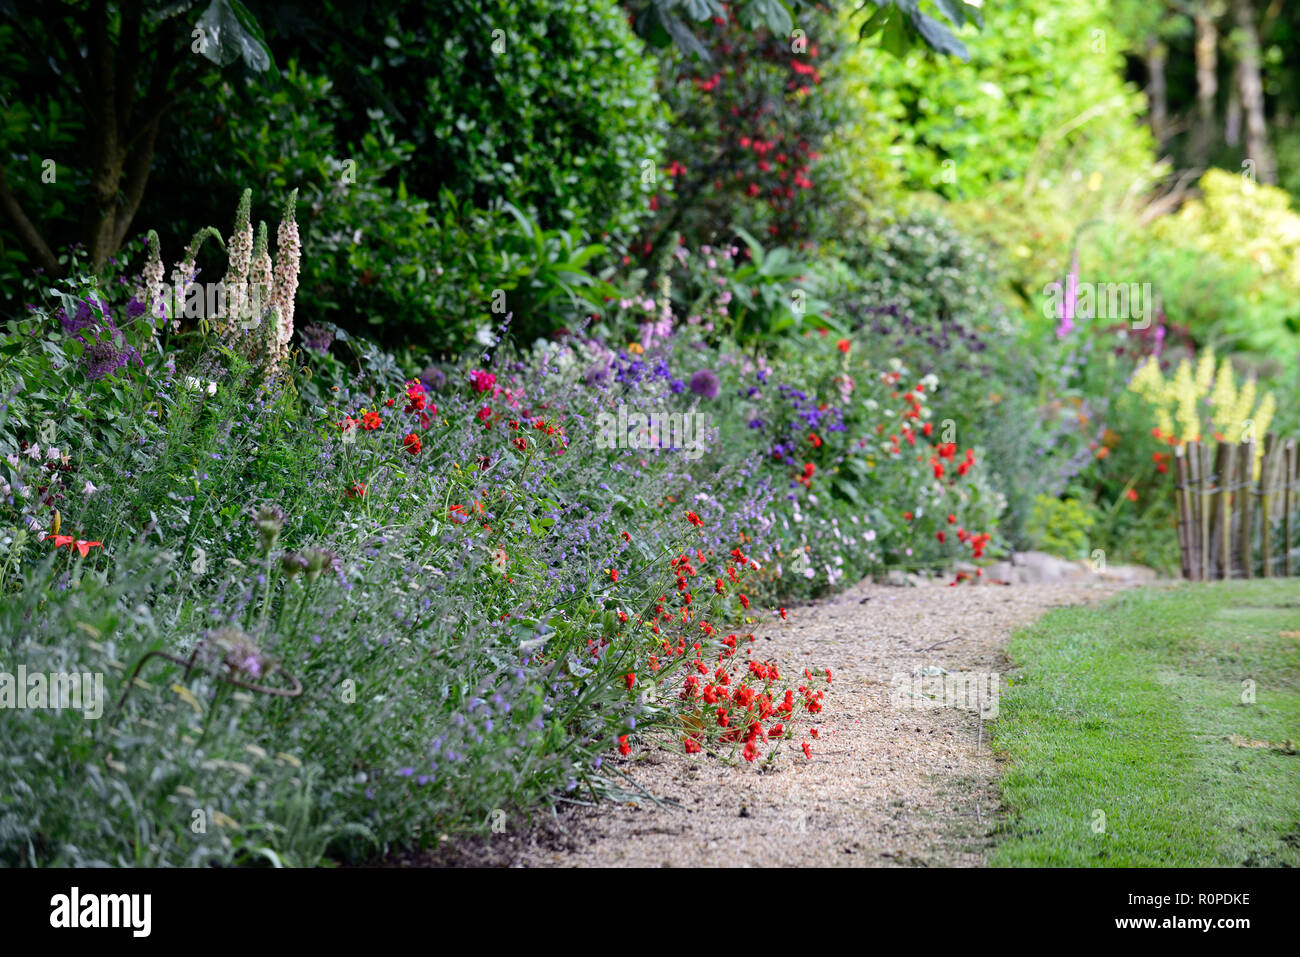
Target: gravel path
[[890, 783]]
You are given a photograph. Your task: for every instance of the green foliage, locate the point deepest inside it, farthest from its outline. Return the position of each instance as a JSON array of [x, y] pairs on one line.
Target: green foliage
[[1041, 82], [552, 108], [1061, 526], [1249, 234], [924, 265], [746, 145]]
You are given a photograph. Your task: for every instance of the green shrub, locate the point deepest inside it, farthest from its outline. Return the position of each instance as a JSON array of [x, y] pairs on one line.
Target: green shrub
[[1061, 526], [550, 107]]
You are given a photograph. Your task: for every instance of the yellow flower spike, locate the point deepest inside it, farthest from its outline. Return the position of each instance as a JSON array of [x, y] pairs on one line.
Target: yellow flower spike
[[1241, 410], [1205, 373], [1224, 396], [54, 525]]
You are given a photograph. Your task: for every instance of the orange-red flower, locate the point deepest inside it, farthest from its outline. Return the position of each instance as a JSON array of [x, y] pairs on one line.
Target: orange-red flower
[[72, 542]]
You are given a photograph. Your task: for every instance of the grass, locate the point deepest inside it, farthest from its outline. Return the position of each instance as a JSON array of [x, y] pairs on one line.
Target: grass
[[1131, 738]]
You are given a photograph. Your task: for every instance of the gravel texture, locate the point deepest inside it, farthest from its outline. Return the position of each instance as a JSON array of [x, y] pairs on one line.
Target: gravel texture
[[891, 782]]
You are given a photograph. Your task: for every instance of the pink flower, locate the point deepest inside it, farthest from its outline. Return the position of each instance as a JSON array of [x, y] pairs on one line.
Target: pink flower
[[482, 380]]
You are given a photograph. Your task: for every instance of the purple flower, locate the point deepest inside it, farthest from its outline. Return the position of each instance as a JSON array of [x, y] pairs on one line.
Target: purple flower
[[705, 384], [317, 338], [1066, 325]]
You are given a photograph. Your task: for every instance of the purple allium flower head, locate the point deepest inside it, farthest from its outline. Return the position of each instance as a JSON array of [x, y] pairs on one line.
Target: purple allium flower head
[[705, 384], [317, 338]]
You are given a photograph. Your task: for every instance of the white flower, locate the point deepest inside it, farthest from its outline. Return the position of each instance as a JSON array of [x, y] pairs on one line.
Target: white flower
[[12, 458], [34, 451], [89, 488], [212, 388], [52, 453]]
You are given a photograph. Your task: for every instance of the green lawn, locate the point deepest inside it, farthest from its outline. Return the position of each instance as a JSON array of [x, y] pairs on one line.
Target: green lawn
[[1134, 710]]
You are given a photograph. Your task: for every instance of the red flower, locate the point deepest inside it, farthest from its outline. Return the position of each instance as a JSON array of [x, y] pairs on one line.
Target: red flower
[[783, 614], [629, 679], [815, 440], [807, 750], [521, 443], [692, 746], [623, 746], [483, 414], [952, 519], [744, 601], [357, 491], [694, 519], [371, 421], [613, 574], [412, 443], [814, 732], [1132, 495], [941, 536], [390, 402], [843, 345], [415, 401], [80, 545], [907, 516]]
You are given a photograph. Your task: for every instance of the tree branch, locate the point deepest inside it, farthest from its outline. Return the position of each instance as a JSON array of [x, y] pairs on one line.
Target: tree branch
[[140, 163], [28, 234]]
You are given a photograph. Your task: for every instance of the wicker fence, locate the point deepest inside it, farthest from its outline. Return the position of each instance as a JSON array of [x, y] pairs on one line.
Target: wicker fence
[[1232, 523]]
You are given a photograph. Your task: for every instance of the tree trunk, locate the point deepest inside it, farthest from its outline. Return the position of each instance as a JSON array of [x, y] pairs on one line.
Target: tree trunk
[[1207, 81], [121, 129], [1232, 118], [1157, 97], [1252, 94], [33, 242]]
